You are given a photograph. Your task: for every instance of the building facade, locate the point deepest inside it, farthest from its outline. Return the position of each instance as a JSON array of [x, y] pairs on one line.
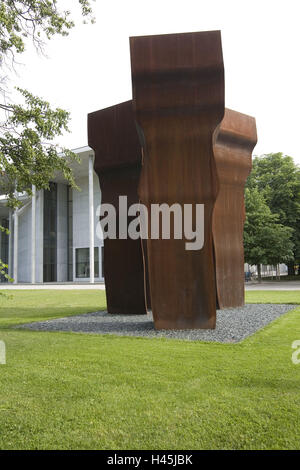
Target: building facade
[[53, 236]]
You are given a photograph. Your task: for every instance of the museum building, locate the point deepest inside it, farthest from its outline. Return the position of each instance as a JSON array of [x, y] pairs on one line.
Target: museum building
[[53, 236]]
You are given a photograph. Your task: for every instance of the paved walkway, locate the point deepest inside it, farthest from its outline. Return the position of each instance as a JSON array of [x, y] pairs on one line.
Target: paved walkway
[[273, 285], [265, 285], [67, 286]]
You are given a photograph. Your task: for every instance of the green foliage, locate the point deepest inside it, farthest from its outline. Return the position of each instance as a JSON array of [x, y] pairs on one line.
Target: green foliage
[[3, 266], [33, 19], [3, 270], [28, 154], [277, 178], [266, 241]]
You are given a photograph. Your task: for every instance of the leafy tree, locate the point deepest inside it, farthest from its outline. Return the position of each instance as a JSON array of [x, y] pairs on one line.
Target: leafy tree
[[35, 19], [3, 266], [28, 152], [27, 155], [266, 241], [277, 177]]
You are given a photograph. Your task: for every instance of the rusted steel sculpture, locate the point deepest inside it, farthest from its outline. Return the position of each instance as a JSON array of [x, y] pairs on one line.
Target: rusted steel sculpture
[[112, 135], [178, 98], [234, 143]]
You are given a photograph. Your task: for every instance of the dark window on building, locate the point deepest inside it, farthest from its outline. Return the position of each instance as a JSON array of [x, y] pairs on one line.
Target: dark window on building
[[4, 248], [50, 234], [102, 261], [70, 234], [83, 262]]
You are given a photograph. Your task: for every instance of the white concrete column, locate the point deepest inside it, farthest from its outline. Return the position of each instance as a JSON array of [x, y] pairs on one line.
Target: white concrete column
[[10, 244], [91, 217], [16, 236], [33, 234], [39, 235]]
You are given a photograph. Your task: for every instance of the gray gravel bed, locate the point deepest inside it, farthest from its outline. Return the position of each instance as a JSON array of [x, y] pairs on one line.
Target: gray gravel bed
[[233, 324]]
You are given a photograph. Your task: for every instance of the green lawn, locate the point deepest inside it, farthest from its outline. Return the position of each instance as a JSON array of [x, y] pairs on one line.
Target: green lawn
[[25, 306], [273, 297], [76, 391]]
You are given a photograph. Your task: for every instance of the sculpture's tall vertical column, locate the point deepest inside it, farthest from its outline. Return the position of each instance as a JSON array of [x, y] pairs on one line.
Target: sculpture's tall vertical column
[[113, 136], [178, 97], [234, 143]]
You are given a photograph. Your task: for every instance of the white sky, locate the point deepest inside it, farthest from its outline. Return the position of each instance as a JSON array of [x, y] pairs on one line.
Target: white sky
[[90, 69]]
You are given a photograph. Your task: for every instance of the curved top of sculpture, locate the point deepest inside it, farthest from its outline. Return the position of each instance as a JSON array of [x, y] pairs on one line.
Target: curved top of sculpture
[[238, 129], [178, 98], [113, 131], [178, 76], [235, 140]]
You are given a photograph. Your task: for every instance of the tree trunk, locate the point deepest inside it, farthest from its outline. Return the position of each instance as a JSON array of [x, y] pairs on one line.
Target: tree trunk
[[259, 272], [291, 269]]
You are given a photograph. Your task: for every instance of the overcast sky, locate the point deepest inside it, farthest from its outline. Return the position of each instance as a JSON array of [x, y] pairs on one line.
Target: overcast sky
[[90, 69]]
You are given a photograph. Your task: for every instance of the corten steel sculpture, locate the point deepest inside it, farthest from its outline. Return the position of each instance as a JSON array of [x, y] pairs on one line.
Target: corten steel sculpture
[[234, 143], [178, 98], [112, 135]]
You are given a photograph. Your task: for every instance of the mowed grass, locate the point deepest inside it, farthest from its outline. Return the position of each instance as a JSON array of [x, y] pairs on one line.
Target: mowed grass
[[25, 306], [76, 391], [273, 297]]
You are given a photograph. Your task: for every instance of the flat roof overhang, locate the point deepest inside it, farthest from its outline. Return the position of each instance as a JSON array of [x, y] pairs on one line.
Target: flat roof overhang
[[80, 169]]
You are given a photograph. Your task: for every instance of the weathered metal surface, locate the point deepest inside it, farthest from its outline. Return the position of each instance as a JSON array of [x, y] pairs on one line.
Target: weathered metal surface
[[178, 98], [112, 135], [234, 143]]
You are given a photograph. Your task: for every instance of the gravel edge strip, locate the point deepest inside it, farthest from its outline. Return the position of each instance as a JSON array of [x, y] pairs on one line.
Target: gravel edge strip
[[233, 325]]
